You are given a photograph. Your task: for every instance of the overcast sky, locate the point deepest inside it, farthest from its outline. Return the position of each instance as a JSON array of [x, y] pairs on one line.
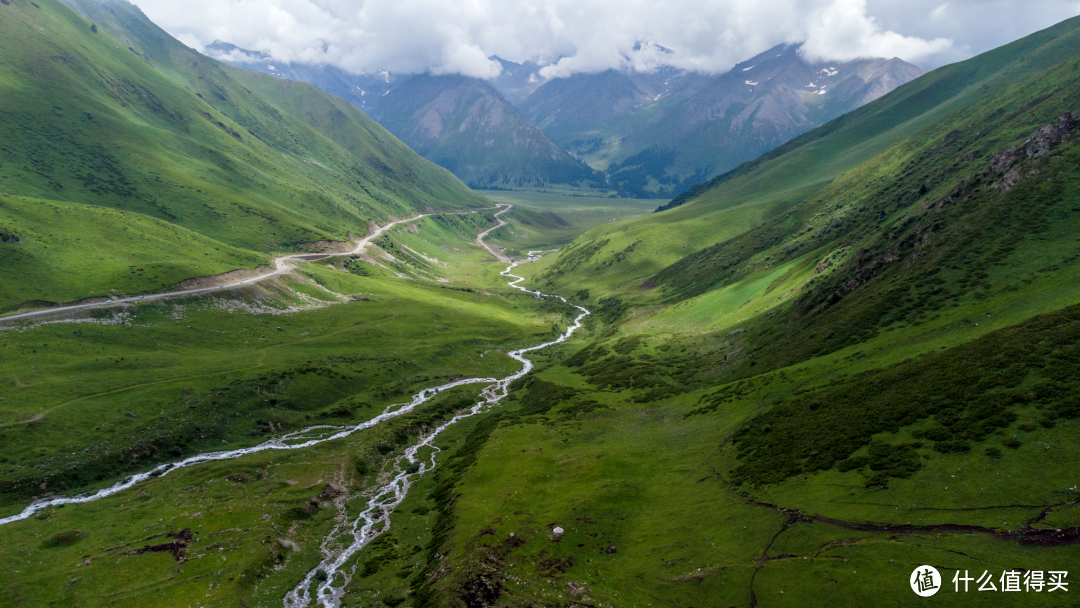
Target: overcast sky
[[569, 36]]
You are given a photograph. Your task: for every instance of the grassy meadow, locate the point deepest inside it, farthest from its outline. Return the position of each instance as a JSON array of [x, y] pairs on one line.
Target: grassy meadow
[[852, 357], [551, 219]]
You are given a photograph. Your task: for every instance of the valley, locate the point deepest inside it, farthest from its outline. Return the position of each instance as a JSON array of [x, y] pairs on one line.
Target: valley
[[256, 350]]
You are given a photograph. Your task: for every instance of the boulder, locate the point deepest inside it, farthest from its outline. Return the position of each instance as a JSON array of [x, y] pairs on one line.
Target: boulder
[[332, 491]]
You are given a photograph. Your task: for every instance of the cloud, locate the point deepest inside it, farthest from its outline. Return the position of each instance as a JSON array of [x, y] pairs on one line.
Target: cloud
[[572, 36], [844, 31]]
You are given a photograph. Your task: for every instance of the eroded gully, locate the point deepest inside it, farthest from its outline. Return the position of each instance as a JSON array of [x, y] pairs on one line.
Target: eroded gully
[[382, 500]]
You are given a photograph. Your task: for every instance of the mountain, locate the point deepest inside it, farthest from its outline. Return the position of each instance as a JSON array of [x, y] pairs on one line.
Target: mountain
[[357, 89], [458, 122], [106, 110], [851, 362], [660, 133], [575, 109], [517, 80], [739, 200], [654, 134], [851, 356], [465, 125]]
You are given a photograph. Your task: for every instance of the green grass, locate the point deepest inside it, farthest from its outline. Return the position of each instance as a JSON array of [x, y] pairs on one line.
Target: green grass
[[774, 393], [229, 373], [616, 269], [795, 173], [551, 219], [163, 131], [58, 255], [842, 317], [643, 479], [233, 515]]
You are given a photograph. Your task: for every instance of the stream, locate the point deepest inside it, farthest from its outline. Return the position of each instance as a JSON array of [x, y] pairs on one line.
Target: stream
[[382, 500], [375, 519]]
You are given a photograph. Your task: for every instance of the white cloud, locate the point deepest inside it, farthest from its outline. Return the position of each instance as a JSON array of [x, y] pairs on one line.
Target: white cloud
[[570, 36], [844, 31]]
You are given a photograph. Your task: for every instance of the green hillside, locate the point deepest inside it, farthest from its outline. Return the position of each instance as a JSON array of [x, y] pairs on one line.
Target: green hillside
[[849, 358], [734, 202], [53, 252], [852, 357], [120, 115]]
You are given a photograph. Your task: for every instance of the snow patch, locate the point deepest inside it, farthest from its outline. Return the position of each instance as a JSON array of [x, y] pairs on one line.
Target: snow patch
[[821, 92], [829, 71], [750, 68], [811, 86], [753, 84]]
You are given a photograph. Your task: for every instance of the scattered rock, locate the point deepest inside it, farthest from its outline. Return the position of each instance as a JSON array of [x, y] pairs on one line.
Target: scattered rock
[[558, 532], [1038, 144], [610, 550], [178, 547], [288, 544], [332, 491]]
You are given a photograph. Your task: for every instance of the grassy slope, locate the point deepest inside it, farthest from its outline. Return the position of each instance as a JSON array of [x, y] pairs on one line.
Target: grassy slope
[[734, 202], [84, 402], [59, 254], [638, 434], [144, 125], [548, 220], [755, 424], [66, 376]]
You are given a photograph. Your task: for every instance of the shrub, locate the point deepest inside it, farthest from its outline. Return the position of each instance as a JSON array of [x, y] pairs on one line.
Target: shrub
[[63, 539]]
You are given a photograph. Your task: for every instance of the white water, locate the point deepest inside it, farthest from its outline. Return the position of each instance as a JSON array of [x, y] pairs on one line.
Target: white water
[[383, 500], [279, 443]]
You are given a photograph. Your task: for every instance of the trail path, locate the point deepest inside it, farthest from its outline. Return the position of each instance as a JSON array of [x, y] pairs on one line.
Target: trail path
[[381, 500], [480, 237], [281, 266]]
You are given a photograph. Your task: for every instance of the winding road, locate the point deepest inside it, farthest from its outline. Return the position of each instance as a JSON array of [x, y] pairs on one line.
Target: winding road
[[480, 237], [281, 266], [331, 573]]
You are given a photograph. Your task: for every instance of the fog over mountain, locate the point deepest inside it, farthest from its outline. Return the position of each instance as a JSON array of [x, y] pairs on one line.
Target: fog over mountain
[[565, 37]]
